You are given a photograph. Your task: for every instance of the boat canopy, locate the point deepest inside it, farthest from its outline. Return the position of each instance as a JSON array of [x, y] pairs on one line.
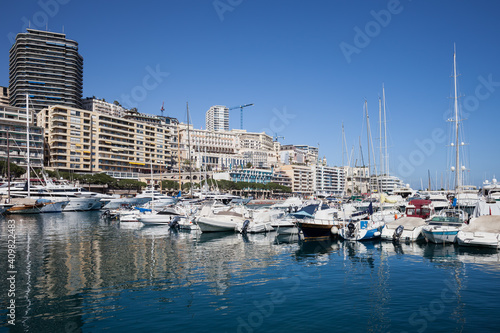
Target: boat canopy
[[485, 223]]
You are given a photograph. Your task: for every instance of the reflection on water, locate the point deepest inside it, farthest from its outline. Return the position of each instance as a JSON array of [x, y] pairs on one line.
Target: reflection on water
[[76, 271]]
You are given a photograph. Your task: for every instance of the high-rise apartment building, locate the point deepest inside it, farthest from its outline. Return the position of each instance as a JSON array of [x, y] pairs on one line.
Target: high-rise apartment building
[[217, 118], [46, 66]]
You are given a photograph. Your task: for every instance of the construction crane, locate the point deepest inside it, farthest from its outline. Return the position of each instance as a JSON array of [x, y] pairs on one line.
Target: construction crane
[[241, 112], [276, 137], [162, 108]]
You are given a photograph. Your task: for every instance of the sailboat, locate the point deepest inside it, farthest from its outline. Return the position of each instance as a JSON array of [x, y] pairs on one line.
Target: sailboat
[[444, 227], [29, 205], [366, 228]]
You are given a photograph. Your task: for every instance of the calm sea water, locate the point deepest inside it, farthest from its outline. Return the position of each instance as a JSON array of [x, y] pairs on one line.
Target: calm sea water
[[77, 273]]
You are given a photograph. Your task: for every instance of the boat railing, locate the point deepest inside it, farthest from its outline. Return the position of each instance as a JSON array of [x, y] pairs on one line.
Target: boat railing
[[316, 221]]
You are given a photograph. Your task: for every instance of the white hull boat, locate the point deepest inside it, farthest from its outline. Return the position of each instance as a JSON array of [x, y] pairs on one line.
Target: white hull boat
[[82, 204], [253, 227], [211, 224], [482, 231], [444, 227], [361, 230], [407, 229]]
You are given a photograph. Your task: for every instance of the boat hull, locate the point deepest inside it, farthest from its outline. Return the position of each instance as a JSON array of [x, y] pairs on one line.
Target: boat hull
[[440, 236], [287, 230], [406, 236], [82, 204], [213, 225], [54, 207], [313, 230], [364, 231], [480, 239]]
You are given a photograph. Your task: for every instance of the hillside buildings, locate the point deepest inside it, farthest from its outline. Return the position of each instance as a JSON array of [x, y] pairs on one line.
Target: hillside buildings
[[91, 141], [91, 135]]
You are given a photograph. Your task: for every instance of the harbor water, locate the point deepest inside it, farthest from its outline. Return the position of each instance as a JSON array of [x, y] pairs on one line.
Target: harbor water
[[76, 272]]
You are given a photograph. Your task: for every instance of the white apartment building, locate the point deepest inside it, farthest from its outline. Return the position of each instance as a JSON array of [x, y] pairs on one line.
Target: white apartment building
[[356, 179], [225, 150], [294, 154], [386, 183], [217, 118], [97, 105], [328, 180]]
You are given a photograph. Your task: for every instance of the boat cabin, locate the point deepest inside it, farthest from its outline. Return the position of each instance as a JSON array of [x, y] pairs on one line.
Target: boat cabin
[[420, 208], [450, 217]]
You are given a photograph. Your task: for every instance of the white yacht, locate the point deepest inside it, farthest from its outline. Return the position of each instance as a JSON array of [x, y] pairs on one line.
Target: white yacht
[[467, 198], [491, 190], [223, 220], [73, 198]]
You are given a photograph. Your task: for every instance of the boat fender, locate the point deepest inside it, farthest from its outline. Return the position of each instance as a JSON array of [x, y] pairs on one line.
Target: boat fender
[[397, 233], [245, 226], [334, 230]]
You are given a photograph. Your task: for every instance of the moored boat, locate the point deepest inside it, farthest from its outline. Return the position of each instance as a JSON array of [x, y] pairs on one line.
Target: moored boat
[[409, 227], [317, 220], [362, 230], [444, 227], [482, 231], [221, 221]]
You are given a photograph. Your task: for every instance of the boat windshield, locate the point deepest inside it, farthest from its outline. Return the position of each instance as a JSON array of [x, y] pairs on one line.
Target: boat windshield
[[453, 219]]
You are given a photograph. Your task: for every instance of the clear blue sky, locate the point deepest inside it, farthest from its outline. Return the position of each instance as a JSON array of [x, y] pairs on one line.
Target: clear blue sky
[[303, 64]]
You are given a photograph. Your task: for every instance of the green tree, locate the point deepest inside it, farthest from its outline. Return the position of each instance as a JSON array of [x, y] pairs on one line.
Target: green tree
[[129, 184], [226, 185], [170, 185], [102, 179], [186, 186], [274, 187], [249, 165], [15, 170]]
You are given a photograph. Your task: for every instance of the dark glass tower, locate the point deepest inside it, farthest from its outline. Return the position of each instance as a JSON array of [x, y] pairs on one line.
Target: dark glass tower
[[46, 66]]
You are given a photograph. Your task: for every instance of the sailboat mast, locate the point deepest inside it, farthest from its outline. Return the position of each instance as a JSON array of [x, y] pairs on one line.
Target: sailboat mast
[[386, 165], [368, 139], [343, 142], [28, 145], [457, 155], [380, 139], [8, 166], [189, 154], [179, 156]]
